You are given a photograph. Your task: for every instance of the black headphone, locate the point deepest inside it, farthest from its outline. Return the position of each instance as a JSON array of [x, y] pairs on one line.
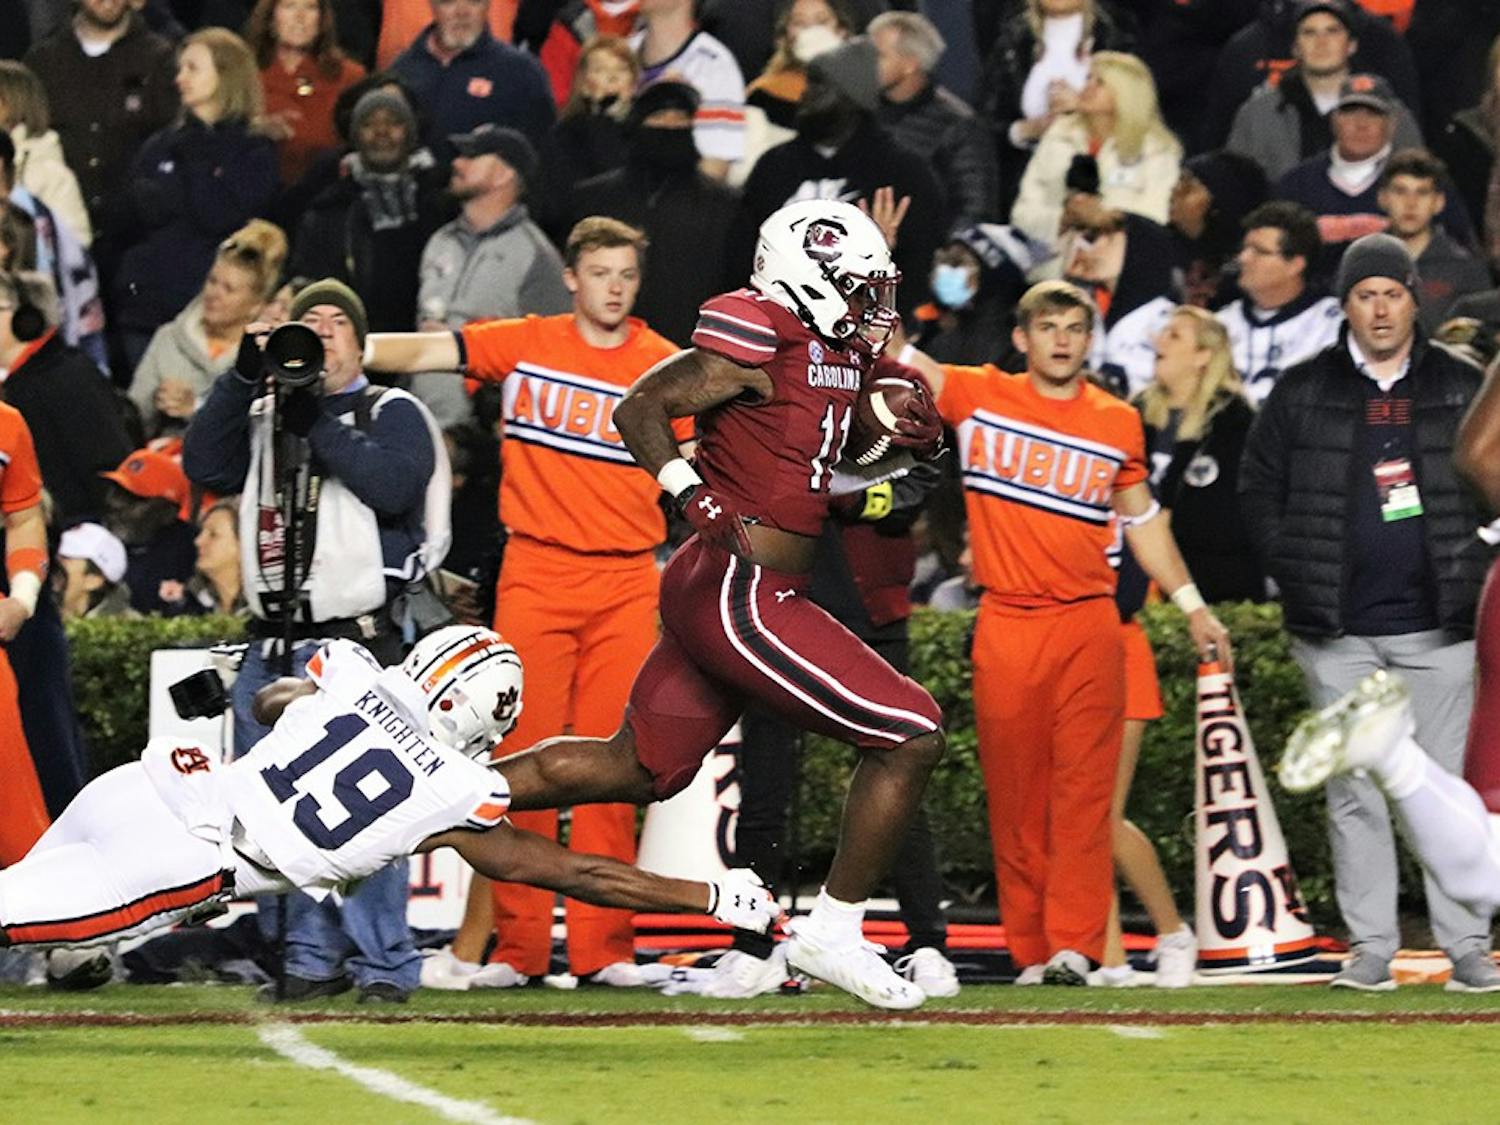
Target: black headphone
[[26, 320]]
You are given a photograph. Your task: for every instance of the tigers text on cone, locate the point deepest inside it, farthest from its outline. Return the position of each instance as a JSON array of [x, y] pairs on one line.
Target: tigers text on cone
[[1250, 914]]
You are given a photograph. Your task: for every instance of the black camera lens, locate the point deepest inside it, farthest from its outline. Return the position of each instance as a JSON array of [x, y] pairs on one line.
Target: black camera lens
[[294, 354]]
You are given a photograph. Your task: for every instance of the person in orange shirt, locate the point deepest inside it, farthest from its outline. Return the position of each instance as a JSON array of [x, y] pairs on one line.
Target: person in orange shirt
[[1047, 458], [302, 74], [23, 813], [577, 595]]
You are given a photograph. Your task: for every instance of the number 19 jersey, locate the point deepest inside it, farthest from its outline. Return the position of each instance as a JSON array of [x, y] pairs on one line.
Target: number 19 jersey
[[349, 779]]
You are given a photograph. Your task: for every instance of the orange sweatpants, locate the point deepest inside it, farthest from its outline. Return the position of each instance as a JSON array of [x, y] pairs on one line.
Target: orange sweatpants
[[1049, 697], [582, 626], [23, 812]]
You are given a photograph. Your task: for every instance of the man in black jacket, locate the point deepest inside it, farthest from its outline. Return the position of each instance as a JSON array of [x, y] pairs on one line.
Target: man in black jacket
[[70, 408], [1349, 491], [368, 228], [931, 120], [840, 152], [659, 186]]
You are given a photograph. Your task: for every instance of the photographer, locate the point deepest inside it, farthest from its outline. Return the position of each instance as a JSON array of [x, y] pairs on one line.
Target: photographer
[[369, 480]]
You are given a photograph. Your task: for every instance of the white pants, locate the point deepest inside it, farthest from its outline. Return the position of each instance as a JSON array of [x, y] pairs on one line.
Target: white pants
[[116, 863]]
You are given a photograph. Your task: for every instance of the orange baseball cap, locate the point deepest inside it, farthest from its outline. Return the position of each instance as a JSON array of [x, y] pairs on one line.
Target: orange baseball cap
[[151, 473]]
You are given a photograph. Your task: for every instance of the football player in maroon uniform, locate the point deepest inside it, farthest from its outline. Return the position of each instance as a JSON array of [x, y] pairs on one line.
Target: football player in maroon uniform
[[772, 378]]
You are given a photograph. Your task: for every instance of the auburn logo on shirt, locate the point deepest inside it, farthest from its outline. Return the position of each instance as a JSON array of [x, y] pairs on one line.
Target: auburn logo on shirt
[[566, 412], [1038, 467]]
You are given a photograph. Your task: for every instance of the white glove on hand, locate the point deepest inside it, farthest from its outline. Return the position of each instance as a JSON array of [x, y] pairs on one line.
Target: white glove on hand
[[741, 900]]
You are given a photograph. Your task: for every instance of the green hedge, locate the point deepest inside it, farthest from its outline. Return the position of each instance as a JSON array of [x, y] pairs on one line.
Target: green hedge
[[111, 662]]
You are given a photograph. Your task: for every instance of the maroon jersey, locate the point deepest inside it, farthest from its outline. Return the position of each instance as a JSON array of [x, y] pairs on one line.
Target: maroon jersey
[[775, 458]]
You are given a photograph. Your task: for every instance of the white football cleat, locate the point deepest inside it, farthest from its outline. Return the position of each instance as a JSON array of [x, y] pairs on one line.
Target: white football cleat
[[930, 971], [739, 975], [445, 972], [497, 974], [1066, 967], [858, 969], [619, 974], [1176, 958], [1356, 731], [1030, 975], [1112, 976]]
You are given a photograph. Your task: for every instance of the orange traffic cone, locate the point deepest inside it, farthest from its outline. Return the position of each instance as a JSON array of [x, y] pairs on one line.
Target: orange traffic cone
[[1250, 914]]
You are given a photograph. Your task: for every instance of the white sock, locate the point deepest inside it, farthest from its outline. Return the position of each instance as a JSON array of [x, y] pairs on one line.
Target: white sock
[[1448, 827], [1404, 769], [837, 923]]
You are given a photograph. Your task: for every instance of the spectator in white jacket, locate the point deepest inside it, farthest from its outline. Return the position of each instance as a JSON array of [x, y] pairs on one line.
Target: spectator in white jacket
[[199, 344], [40, 167], [1119, 122], [1279, 320]]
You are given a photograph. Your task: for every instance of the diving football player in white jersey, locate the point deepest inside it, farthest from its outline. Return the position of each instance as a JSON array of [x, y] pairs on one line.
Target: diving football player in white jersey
[[363, 765]]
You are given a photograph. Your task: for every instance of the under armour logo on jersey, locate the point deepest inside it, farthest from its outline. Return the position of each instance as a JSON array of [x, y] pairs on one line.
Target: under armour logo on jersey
[[710, 509], [782, 595], [189, 759]]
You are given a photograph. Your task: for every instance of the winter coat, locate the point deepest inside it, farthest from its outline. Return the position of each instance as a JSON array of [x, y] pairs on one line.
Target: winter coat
[[338, 239], [1201, 489], [1297, 473], [191, 187], [41, 170], [939, 127], [178, 350], [75, 423], [105, 108], [1142, 186], [1280, 126]]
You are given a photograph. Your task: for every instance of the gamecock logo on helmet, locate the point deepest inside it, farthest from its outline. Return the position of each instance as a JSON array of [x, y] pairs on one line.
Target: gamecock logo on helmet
[[823, 240]]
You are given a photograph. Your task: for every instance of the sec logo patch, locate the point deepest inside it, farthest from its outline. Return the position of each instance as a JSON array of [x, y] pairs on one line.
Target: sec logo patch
[[815, 351]]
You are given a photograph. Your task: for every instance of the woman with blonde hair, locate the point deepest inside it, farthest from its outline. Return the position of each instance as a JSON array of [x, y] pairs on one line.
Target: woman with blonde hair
[[1112, 153], [1196, 418], [186, 353], [302, 73], [40, 166], [1035, 72], [192, 185]]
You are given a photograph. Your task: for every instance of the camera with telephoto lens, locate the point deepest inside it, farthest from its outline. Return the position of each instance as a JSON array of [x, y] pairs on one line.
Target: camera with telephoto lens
[[199, 696], [294, 356]]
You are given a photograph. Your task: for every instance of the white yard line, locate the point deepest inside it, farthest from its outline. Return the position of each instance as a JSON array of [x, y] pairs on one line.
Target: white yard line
[[1132, 1031], [291, 1044], [714, 1034]]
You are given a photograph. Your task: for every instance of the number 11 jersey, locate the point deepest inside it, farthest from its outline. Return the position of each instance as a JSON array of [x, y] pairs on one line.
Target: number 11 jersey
[[775, 458], [349, 778]]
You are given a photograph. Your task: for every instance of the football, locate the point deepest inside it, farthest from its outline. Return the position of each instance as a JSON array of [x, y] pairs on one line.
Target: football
[[880, 404]]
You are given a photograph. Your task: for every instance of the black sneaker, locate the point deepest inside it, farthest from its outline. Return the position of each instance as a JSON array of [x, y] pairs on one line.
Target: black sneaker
[[300, 988], [382, 992]]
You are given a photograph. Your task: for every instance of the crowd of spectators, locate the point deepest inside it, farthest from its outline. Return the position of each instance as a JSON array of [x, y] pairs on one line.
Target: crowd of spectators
[[172, 174]]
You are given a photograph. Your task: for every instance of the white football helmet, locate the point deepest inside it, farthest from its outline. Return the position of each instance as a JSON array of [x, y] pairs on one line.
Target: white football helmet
[[828, 263], [472, 681]]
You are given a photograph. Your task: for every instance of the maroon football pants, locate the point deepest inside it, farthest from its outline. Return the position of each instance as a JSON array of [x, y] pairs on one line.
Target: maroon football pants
[[732, 632]]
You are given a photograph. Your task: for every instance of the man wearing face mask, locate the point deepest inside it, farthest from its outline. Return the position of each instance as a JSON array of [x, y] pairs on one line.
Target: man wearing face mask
[[659, 184], [841, 152], [975, 284]]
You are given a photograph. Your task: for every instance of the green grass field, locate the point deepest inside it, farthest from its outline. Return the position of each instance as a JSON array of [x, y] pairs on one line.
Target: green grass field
[[1243, 1054]]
